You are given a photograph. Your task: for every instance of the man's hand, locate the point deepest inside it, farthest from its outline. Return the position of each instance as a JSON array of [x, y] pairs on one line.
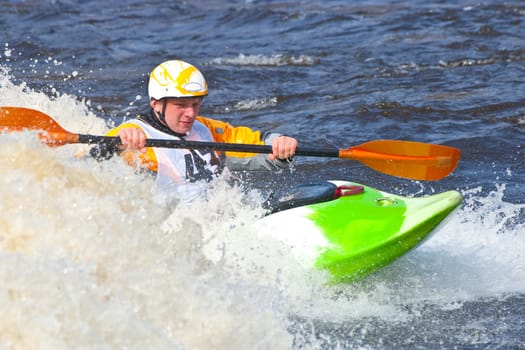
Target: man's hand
[[283, 147], [133, 139]]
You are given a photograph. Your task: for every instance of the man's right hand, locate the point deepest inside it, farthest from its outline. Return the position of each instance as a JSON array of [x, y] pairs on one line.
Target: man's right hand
[[133, 139]]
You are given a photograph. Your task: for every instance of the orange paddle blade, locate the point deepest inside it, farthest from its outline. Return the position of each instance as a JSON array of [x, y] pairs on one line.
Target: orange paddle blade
[[408, 159], [20, 119]]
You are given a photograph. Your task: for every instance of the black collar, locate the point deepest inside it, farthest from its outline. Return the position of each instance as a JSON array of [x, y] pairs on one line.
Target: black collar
[[152, 120]]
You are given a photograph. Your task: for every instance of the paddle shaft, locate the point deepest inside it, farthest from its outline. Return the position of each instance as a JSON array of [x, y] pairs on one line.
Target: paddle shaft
[[232, 147]]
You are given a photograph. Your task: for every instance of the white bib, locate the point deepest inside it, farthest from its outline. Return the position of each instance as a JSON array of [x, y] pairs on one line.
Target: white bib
[[180, 171]]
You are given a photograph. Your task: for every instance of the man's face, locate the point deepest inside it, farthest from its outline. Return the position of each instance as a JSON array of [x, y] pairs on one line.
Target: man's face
[[180, 112]]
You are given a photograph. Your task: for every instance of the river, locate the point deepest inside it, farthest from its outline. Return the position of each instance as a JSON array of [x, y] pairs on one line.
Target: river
[[89, 259]]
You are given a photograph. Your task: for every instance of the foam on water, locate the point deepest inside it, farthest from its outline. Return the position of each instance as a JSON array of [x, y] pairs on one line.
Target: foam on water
[[88, 257], [91, 259]]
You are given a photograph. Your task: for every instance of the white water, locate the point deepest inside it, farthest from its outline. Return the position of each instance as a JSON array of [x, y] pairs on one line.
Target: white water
[[88, 259]]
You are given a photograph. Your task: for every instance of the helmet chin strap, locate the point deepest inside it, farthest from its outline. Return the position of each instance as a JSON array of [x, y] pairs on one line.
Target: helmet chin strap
[[162, 115]]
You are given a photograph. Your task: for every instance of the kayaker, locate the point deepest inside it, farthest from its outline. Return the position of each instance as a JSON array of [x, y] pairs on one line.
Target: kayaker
[[176, 90]]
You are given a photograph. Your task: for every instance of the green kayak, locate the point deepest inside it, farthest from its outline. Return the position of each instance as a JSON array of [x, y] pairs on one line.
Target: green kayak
[[358, 232]]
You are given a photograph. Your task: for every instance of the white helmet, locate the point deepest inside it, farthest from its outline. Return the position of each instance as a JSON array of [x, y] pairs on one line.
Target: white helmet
[[176, 79]]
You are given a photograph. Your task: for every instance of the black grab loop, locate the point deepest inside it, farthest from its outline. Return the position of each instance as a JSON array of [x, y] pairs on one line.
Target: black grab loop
[[344, 190]]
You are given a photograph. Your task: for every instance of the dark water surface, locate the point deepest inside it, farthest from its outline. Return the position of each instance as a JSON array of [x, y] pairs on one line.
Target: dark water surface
[[331, 73]]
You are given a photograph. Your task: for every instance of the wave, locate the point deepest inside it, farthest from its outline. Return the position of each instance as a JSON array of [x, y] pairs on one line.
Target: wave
[[275, 60]]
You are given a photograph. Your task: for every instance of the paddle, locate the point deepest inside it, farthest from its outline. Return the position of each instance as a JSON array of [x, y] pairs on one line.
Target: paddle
[[407, 159]]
